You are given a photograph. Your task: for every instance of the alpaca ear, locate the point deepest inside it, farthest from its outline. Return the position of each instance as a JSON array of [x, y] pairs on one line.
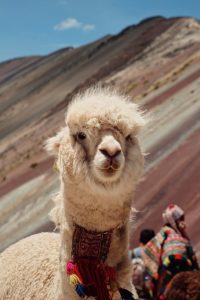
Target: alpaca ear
[[140, 122], [52, 144], [141, 119]]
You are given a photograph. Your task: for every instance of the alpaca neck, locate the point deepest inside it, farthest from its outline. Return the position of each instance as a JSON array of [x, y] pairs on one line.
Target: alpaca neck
[[95, 211]]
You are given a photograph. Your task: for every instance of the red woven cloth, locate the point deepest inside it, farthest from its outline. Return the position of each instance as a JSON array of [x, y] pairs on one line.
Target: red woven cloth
[[89, 252]]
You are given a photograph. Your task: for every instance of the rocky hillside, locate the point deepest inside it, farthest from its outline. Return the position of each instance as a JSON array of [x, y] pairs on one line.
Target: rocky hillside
[[157, 63]]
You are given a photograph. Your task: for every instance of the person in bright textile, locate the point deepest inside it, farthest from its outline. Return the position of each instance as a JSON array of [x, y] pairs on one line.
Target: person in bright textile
[[169, 252], [145, 236], [139, 277]]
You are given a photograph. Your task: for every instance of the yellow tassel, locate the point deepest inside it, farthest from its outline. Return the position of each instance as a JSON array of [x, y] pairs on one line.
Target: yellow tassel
[[74, 280]]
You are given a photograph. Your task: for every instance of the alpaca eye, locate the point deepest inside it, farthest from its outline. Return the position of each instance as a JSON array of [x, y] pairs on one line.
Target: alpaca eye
[[128, 137], [81, 136]]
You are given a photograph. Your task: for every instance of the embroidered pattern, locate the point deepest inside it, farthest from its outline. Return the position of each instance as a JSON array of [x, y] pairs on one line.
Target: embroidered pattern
[[90, 244]]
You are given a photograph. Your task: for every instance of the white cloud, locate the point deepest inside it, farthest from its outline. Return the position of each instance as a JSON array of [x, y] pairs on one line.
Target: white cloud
[[72, 23], [68, 24], [88, 27]]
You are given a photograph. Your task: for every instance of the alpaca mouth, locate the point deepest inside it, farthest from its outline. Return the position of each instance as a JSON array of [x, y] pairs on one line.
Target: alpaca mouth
[[110, 166], [110, 169]]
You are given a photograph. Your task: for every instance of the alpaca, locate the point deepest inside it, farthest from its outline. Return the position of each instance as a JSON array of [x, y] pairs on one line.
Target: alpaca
[[184, 285], [99, 161]]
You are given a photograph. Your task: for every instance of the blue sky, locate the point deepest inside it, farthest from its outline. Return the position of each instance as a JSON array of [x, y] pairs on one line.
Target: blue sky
[[38, 27]]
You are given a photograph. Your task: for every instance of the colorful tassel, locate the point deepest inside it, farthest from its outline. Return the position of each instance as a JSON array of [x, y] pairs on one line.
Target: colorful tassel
[[75, 279], [81, 290], [94, 278], [101, 281], [71, 268]]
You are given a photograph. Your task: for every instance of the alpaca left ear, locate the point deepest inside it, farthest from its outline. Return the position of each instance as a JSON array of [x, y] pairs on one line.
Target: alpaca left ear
[[137, 118], [140, 122], [52, 144]]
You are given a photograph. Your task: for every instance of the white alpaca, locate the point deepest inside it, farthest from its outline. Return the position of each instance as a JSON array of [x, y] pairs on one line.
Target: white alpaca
[[100, 162]]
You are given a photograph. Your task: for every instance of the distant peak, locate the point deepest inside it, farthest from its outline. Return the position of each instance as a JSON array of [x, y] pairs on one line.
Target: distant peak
[[149, 19]]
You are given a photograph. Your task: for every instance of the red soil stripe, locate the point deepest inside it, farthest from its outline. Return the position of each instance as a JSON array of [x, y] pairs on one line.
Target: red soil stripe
[[22, 178], [157, 177], [173, 90], [175, 179]]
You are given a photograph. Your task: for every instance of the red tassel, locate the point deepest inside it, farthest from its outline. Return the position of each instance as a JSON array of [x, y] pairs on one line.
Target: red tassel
[[94, 278], [111, 273]]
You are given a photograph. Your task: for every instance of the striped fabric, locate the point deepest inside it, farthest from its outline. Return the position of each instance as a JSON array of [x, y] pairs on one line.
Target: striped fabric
[[167, 254], [173, 244]]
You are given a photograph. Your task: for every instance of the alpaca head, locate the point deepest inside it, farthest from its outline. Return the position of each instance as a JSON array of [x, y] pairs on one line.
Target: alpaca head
[[99, 145]]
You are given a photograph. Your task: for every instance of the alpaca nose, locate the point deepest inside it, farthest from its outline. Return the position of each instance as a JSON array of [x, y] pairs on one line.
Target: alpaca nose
[[110, 152], [109, 147]]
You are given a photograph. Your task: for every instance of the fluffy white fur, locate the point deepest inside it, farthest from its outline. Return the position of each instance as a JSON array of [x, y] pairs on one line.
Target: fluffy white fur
[[99, 161]]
